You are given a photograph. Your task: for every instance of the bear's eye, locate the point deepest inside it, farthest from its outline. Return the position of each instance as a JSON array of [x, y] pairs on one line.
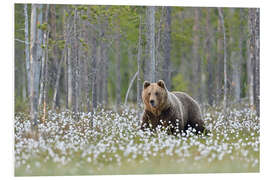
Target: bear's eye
[[156, 93], [149, 93]]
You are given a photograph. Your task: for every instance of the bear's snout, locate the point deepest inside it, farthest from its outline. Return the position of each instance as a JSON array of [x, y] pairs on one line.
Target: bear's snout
[[152, 102]]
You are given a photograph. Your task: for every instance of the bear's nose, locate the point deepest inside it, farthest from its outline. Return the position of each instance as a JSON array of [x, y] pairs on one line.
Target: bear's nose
[[152, 102]]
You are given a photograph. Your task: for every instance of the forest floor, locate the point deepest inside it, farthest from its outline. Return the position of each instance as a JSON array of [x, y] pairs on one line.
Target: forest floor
[[107, 142]]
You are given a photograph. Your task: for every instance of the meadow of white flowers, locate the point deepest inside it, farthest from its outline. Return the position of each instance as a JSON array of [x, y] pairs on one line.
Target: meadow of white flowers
[[107, 142]]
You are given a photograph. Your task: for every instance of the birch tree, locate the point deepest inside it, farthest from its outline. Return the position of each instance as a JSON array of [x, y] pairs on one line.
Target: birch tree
[[70, 74], [151, 29], [117, 66], [43, 60], [209, 58], [27, 49], [195, 52], [35, 55], [94, 72], [139, 67], [225, 59], [250, 62], [257, 65], [167, 49]]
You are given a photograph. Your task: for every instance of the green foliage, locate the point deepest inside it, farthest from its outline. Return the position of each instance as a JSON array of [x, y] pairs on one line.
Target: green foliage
[[179, 84], [107, 22], [61, 44], [43, 26], [20, 105]]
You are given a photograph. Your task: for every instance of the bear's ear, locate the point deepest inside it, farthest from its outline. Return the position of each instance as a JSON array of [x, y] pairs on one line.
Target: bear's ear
[[146, 84], [161, 84]]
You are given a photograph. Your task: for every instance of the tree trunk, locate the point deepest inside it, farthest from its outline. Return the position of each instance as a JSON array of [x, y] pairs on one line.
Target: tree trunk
[[78, 63], [70, 74], [225, 59], [94, 71], [257, 61], [105, 73], [45, 48], [99, 71], [58, 74], [195, 53], [219, 66], [117, 69], [235, 58], [34, 66], [208, 59], [27, 49], [129, 87], [159, 45], [139, 67], [75, 64], [151, 27], [250, 63], [167, 49]]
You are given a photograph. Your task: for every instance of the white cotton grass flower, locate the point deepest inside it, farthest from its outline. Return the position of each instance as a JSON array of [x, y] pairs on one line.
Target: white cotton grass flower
[[114, 138]]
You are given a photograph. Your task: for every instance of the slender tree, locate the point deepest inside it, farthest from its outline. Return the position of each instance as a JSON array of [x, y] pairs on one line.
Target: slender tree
[[167, 49], [219, 65], [208, 58], [195, 52], [35, 55], [27, 48], [235, 56], [139, 66], [56, 87], [117, 66], [250, 62], [94, 71], [257, 60], [225, 59], [151, 28], [43, 60], [69, 71]]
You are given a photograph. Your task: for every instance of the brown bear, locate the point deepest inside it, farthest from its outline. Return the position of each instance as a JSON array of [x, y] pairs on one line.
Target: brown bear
[[175, 111]]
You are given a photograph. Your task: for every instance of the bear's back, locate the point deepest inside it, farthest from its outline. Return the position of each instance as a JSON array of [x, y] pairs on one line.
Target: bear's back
[[192, 107]]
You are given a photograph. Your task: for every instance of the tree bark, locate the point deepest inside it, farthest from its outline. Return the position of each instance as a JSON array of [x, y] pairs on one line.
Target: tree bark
[[257, 61], [208, 58], [235, 58], [104, 48], [99, 70], [117, 68], [167, 49], [34, 66], [70, 74], [195, 53], [225, 59], [27, 49], [78, 63], [139, 67], [219, 69], [151, 27], [94, 71], [56, 87], [129, 87], [44, 49], [250, 63]]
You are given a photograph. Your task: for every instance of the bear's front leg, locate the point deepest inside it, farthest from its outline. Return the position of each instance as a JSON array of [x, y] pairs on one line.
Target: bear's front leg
[[145, 122]]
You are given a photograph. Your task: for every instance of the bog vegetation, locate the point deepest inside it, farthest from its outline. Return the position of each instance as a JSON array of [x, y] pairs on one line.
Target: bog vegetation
[[79, 71], [106, 142]]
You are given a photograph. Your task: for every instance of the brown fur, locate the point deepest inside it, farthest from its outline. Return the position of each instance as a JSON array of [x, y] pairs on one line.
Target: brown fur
[[171, 109]]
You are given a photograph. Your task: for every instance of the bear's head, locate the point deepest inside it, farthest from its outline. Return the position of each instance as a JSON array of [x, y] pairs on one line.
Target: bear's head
[[155, 96]]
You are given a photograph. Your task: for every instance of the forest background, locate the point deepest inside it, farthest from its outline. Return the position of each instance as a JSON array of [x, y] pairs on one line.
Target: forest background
[[79, 57]]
